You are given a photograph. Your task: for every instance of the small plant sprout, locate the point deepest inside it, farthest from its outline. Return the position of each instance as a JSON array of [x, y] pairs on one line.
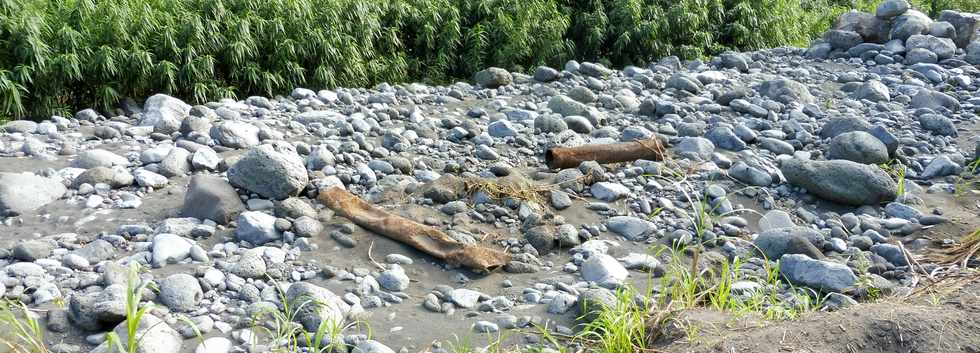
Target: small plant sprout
[[134, 313]]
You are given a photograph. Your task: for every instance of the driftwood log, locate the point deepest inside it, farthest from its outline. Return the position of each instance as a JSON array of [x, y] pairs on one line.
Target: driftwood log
[[570, 157], [427, 239]]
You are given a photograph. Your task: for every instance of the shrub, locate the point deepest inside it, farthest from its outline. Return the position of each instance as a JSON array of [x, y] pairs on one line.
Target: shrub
[[66, 55]]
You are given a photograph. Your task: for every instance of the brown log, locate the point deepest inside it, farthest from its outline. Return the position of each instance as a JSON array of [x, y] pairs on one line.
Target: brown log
[[570, 157], [427, 239]]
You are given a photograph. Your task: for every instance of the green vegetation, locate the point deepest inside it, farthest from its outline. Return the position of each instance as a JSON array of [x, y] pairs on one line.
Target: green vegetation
[[22, 330], [64, 55], [134, 313]]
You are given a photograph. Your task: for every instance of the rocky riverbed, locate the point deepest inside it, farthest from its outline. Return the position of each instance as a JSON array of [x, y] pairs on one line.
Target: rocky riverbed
[[838, 161]]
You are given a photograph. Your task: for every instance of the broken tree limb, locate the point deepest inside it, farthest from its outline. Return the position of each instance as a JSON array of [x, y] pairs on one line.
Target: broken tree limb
[[570, 157], [427, 239]]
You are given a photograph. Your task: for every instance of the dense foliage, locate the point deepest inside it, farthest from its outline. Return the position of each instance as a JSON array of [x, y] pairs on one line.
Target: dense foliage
[[61, 55]]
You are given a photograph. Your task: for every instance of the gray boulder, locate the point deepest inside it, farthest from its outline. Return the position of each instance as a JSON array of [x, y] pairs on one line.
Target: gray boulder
[[19, 126], [99, 158], [235, 134], [604, 270], [493, 77], [180, 292], [115, 177], [272, 171], [545, 74], [874, 91], [786, 91], [910, 23], [313, 304], [154, 336], [842, 40], [840, 125], [210, 197], [631, 228], [775, 243], [750, 175], [164, 113], [566, 106], [944, 48], [973, 53], [937, 124], [870, 27], [169, 248], [257, 228], [927, 98], [858, 146], [95, 311], [371, 346], [822, 275], [723, 137], [889, 9], [841, 181], [967, 26], [684, 82], [23, 192], [176, 163]]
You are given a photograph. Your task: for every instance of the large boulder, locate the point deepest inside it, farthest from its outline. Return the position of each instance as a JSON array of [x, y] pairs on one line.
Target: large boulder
[[910, 23], [858, 146], [273, 171], [164, 113], [967, 26], [98, 310], [944, 48], [888, 9], [210, 197], [870, 27], [115, 177], [493, 77], [235, 134], [22, 192], [99, 158], [822, 275], [154, 336], [786, 91], [927, 98], [843, 40], [973, 53], [313, 304], [604, 270], [841, 181], [567, 106]]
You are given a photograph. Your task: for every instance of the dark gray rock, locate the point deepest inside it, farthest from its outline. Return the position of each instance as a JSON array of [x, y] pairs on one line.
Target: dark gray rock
[[786, 91], [210, 197], [775, 243], [320, 305], [841, 181], [937, 124], [840, 125], [870, 27], [910, 23], [966, 24], [822, 275], [273, 171], [858, 146]]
